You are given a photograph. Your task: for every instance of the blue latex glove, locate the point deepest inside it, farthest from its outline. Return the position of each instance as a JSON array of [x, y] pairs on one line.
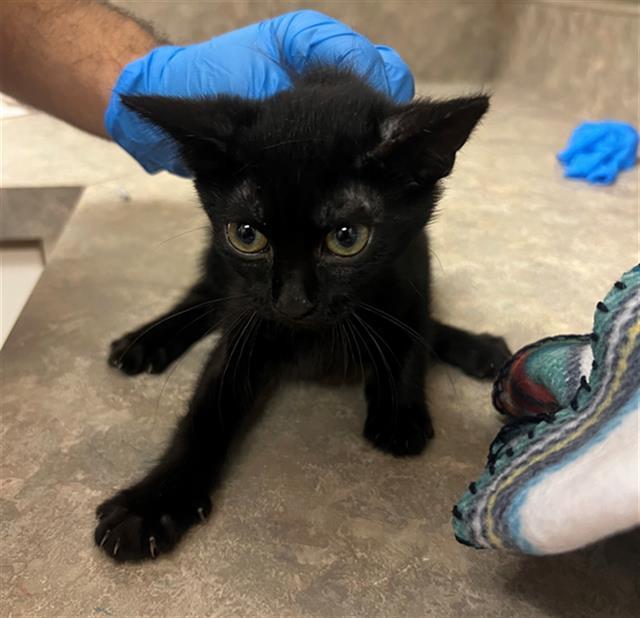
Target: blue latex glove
[[244, 63], [599, 151]]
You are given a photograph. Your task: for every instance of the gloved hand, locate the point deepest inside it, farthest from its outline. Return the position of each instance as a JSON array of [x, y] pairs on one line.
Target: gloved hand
[[245, 63]]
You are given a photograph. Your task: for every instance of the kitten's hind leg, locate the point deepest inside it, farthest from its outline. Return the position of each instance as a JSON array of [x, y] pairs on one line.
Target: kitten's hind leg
[[155, 345], [478, 355]]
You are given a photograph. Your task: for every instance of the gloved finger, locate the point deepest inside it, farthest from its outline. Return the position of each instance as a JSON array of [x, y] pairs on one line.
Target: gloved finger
[[308, 37], [399, 77], [151, 147], [240, 62]]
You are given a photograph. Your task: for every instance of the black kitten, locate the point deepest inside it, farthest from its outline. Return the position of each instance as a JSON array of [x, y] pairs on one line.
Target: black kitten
[[318, 199]]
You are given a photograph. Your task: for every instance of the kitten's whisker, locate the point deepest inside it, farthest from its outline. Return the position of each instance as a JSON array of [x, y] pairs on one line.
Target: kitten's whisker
[[236, 342], [348, 348], [399, 323], [226, 341], [354, 334], [251, 325], [203, 315], [177, 365], [345, 365], [238, 172], [208, 313], [174, 315], [254, 338], [435, 255], [166, 381], [372, 334], [380, 338], [333, 343], [371, 357], [195, 229], [349, 343], [292, 141], [414, 334], [417, 291]]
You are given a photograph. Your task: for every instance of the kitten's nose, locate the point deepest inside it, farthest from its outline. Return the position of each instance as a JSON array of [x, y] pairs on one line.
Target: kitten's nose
[[292, 296], [294, 306]]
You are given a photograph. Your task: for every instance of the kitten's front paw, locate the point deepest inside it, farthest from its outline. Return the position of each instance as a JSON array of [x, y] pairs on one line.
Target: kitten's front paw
[[131, 528], [405, 433], [139, 351], [485, 356]]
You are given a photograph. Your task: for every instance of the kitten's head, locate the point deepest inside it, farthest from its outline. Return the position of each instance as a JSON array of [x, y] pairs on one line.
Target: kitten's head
[[315, 192]]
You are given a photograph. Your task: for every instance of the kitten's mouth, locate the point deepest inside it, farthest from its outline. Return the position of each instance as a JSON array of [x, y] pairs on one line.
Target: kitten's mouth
[[313, 319], [308, 319]]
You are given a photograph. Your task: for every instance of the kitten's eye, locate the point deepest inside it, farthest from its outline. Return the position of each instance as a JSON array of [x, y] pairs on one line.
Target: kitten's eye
[[245, 238], [347, 240]]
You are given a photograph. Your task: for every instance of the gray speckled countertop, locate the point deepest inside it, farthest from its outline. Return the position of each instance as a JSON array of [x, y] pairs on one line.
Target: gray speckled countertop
[[310, 520]]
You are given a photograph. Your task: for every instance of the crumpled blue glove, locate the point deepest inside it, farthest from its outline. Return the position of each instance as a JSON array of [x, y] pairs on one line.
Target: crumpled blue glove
[[245, 63], [599, 151]]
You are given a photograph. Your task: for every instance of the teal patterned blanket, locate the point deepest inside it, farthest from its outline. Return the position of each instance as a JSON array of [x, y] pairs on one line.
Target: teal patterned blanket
[[564, 471]]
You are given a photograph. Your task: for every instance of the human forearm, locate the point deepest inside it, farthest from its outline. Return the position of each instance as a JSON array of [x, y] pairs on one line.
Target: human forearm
[[64, 56]]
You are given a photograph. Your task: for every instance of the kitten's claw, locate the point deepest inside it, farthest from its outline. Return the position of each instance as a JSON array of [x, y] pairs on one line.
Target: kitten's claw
[[153, 548], [136, 527], [104, 538], [140, 352]]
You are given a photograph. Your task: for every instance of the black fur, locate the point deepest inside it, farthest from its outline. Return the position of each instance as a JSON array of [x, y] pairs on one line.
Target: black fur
[[330, 152]]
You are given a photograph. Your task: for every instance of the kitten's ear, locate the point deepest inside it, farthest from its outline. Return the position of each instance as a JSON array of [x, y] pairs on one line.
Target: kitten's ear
[[423, 137], [206, 129]]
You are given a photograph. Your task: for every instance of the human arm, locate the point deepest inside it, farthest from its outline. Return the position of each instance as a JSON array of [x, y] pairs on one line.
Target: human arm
[[64, 56]]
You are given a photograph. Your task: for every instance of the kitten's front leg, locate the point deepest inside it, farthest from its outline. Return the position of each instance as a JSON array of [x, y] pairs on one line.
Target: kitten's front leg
[[397, 415], [152, 347], [478, 355], [151, 516]]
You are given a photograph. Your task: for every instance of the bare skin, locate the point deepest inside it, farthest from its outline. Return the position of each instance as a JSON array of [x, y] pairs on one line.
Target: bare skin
[[64, 56]]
